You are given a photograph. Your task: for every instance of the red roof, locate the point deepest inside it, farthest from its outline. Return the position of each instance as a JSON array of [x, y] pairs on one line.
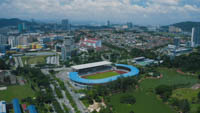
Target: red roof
[[91, 41], [24, 106]]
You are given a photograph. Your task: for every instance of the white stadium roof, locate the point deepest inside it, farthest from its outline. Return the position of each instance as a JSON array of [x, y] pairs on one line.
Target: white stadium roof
[[89, 65]]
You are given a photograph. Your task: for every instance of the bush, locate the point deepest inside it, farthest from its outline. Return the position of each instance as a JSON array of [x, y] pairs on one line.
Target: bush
[[164, 91]]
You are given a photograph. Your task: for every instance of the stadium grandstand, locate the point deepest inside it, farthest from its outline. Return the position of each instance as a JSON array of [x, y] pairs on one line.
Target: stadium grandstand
[[89, 68], [100, 72]]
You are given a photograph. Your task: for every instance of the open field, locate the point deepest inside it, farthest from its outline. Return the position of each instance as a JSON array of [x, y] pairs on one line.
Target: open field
[[102, 75], [34, 59], [16, 91], [145, 103], [146, 100]]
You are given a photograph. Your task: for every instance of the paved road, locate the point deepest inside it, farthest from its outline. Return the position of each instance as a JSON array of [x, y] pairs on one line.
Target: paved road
[[63, 76], [20, 61], [64, 99], [16, 62]]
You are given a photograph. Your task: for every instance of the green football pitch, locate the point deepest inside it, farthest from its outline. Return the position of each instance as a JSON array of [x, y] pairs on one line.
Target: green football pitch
[[102, 75]]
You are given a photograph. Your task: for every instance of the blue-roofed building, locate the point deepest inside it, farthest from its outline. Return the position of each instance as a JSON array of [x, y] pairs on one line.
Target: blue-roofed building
[[74, 76], [31, 109], [16, 106]]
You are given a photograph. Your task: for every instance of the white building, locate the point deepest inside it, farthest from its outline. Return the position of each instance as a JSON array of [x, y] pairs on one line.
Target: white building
[[195, 39], [12, 41], [92, 42], [68, 47], [3, 107]]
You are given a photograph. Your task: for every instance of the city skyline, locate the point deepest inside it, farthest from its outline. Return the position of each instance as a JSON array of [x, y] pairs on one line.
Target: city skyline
[[142, 12]]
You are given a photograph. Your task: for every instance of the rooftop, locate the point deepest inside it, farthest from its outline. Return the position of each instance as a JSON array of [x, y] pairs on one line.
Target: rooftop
[[89, 65]]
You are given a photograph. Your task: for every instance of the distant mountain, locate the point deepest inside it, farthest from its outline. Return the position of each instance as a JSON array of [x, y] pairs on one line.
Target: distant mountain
[[186, 26], [12, 22]]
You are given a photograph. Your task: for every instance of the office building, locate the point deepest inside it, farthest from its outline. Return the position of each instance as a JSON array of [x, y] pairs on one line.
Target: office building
[[12, 41], [177, 41], [3, 107], [195, 39], [68, 47], [130, 25], [21, 27], [108, 23], [173, 29], [65, 24], [3, 39]]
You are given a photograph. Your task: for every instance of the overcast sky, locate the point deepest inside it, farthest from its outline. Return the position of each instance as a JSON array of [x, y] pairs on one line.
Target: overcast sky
[[144, 12]]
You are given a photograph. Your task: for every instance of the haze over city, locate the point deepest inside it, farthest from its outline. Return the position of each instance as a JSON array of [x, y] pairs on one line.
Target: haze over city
[[141, 12], [99, 56]]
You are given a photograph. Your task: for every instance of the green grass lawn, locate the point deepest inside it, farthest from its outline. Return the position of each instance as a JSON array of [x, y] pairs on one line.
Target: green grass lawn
[[185, 93], [146, 100], [102, 75], [145, 103], [34, 60], [189, 94], [16, 91]]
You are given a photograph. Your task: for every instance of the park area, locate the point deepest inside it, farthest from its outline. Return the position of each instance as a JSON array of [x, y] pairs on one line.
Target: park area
[[189, 94], [146, 100], [101, 75], [16, 91]]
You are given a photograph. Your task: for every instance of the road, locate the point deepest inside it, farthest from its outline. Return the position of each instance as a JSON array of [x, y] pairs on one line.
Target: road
[[18, 62], [64, 99], [63, 76]]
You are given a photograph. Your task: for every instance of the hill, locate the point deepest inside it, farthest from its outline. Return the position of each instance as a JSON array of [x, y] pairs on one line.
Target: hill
[[186, 26], [12, 22]]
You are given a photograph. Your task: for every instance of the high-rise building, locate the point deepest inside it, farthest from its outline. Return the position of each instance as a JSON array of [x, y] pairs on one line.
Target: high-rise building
[[130, 25], [195, 39], [173, 29], [177, 41], [108, 23], [12, 41], [68, 47], [65, 24], [21, 27], [3, 39]]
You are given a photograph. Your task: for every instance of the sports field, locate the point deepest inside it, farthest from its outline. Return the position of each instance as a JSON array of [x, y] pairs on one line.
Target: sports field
[[34, 60], [16, 91], [102, 75]]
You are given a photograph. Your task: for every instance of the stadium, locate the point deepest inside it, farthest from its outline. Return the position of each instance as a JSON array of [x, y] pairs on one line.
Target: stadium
[[100, 72]]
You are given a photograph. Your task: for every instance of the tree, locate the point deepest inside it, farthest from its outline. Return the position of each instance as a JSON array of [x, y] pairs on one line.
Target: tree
[[3, 65], [198, 109], [185, 106], [164, 91], [198, 96]]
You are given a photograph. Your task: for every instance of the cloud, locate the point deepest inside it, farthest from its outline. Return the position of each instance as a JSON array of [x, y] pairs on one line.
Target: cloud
[[137, 11]]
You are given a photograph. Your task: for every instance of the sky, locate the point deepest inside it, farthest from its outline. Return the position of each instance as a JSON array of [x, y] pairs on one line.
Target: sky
[[139, 12]]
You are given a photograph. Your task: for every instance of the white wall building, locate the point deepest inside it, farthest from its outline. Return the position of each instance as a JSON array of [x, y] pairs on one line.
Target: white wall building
[[92, 42]]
